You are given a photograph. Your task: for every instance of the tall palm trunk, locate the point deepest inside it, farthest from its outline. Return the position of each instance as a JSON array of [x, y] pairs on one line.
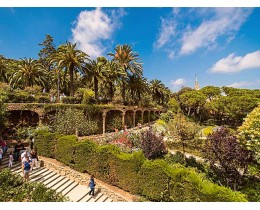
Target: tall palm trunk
[[111, 91], [96, 88], [71, 68], [123, 91]]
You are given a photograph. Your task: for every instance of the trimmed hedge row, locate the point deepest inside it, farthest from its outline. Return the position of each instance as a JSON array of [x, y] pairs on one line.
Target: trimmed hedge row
[[156, 180]]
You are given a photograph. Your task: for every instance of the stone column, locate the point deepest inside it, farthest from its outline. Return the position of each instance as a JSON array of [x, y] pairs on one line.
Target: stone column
[[134, 118], [104, 122], [142, 117], [40, 120], [123, 119]]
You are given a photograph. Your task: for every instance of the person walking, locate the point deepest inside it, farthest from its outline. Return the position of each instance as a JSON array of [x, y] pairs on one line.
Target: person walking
[[26, 168], [92, 185], [11, 159], [34, 159]]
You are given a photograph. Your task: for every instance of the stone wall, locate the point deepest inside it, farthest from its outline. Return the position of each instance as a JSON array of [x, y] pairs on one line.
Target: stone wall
[[81, 178]]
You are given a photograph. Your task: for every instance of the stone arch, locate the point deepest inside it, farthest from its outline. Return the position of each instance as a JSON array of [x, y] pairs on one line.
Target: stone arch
[[114, 120], [23, 118], [146, 116], [138, 116], [130, 118]]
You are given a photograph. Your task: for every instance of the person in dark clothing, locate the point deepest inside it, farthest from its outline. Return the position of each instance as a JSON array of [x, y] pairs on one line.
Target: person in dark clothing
[[92, 185]]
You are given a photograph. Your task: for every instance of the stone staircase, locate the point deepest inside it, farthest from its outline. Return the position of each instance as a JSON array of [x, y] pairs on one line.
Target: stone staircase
[[73, 190]]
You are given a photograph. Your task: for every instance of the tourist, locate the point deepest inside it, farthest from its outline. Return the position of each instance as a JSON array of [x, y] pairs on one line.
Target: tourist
[[26, 168], [11, 159], [34, 159], [92, 185], [31, 143]]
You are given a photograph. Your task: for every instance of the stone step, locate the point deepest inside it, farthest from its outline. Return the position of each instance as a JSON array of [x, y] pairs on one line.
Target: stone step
[[56, 181], [5, 165], [102, 198], [64, 186], [108, 200], [51, 179], [86, 198], [78, 193], [56, 186], [69, 188], [47, 177], [16, 167], [41, 173], [96, 197]]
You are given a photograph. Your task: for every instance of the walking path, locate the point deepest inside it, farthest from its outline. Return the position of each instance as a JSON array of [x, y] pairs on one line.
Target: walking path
[[74, 191]]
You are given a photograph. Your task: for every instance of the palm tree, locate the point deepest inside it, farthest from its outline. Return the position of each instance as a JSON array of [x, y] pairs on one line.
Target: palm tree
[[113, 75], [95, 72], [137, 86], [156, 88], [29, 72], [71, 60], [128, 61]]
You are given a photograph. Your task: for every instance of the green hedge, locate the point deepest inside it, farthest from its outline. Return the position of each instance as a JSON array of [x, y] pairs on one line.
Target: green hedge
[[71, 100], [46, 143], [155, 180]]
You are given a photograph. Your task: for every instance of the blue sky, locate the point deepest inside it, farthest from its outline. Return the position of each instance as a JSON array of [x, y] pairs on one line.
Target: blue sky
[[220, 45]]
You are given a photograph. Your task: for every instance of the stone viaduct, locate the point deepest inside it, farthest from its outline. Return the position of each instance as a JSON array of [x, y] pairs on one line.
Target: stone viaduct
[[134, 111]]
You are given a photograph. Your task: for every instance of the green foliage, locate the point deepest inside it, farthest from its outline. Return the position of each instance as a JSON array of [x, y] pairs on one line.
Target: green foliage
[[174, 105], [249, 132], [44, 194], [87, 95], [71, 100], [45, 143], [73, 121], [64, 149], [251, 188], [2, 110], [12, 188], [42, 99], [182, 130], [155, 180]]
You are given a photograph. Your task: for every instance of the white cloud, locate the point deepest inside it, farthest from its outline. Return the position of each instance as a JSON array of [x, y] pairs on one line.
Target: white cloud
[[243, 84], [167, 31], [217, 26], [226, 21], [178, 82], [93, 27], [234, 63], [171, 55]]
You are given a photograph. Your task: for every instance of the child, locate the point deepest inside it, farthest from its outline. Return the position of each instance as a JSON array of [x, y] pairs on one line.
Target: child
[[11, 159], [92, 185]]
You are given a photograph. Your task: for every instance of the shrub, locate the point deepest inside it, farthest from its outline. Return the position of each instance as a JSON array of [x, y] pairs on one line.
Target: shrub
[[71, 100], [43, 99], [155, 180], [45, 143], [223, 148], [73, 121], [64, 149], [152, 145]]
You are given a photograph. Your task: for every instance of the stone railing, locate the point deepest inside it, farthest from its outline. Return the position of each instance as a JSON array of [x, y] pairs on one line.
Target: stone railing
[[81, 178]]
